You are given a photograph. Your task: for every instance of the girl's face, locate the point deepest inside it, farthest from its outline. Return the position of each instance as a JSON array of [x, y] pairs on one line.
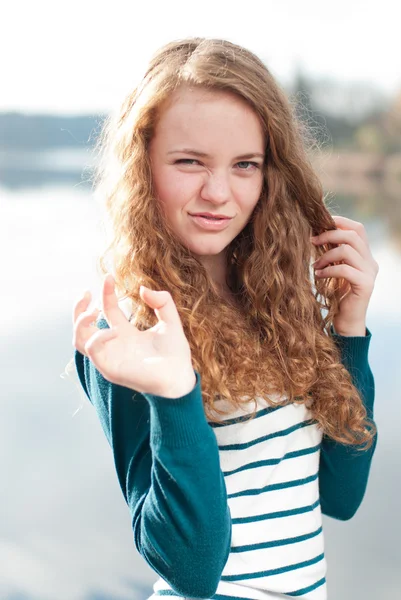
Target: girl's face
[[207, 154]]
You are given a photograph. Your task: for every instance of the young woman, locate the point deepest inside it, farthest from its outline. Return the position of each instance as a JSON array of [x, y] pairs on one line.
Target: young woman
[[236, 412]]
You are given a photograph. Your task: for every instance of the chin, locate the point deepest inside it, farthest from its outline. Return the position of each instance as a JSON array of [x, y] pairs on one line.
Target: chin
[[206, 251]]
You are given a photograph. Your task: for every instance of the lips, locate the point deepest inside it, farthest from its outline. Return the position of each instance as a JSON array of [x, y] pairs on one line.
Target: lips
[[214, 217], [209, 224]]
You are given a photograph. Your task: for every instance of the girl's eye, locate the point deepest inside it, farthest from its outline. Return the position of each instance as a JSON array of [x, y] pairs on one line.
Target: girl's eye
[[190, 161], [185, 161], [247, 162]]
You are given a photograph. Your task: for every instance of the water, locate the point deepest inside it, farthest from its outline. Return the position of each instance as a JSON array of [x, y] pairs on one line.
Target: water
[[65, 530]]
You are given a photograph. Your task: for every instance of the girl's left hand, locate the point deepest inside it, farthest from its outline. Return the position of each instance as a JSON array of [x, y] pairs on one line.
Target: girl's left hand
[[358, 267]]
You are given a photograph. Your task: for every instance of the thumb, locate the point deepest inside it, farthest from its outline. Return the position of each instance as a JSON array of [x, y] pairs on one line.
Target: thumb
[[162, 303]]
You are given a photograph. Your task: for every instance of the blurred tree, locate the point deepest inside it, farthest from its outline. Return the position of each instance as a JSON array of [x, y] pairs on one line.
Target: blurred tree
[[380, 132], [391, 124], [369, 138], [328, 128]]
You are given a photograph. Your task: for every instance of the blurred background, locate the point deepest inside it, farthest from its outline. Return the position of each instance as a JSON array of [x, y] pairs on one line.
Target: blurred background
[[65, 531]]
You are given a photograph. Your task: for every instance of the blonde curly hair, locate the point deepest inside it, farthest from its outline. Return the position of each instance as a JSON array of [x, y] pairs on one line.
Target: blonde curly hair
[[274, 340]]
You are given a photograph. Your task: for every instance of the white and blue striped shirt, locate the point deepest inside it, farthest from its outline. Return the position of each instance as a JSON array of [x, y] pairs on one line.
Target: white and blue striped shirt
[[270, 466]]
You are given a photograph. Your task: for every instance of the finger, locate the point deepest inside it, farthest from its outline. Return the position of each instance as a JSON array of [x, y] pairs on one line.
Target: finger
[[345, 223], [163, 305], [95, 344], [81, 305], [86, 319], [341, 253], [353, 276], [341, 236], [112, 312], [84, 329]]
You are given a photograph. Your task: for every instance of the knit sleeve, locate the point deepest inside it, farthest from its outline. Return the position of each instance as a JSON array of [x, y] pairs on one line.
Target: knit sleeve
[[344, 470], [167, 463]]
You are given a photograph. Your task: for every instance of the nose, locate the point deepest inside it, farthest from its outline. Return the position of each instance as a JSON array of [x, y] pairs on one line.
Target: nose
[[216, 188]]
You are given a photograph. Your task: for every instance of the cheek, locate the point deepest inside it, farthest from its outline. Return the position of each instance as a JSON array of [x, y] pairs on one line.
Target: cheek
[[249, 193], [175, 189]]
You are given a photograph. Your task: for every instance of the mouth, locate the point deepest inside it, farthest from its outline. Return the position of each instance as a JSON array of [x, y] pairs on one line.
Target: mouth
[[211, 217], [210, 223]]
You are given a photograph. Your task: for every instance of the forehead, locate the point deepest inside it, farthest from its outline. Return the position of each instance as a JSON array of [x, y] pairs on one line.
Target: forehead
[[206, 115]]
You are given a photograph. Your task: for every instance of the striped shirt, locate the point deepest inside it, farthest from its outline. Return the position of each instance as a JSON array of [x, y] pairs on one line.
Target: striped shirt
[[270, 466], [231, 510]]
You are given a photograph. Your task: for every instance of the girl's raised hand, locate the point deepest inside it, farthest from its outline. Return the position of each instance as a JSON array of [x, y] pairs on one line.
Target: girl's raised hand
[[156, 361]]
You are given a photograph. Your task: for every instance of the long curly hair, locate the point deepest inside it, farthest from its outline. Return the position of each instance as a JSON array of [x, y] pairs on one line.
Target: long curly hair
[[274, 340]]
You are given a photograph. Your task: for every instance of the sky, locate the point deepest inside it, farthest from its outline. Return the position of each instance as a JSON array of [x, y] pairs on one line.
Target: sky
[[83, 56]]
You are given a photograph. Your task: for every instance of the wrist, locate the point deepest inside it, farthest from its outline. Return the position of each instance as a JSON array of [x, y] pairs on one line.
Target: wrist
[[353, 330], [181, 387]]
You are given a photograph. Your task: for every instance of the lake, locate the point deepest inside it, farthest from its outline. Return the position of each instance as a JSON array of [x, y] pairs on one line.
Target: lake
[[65, 527]]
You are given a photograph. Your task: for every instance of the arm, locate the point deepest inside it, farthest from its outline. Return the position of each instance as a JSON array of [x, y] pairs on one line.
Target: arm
[[167, 463], [344, 471]]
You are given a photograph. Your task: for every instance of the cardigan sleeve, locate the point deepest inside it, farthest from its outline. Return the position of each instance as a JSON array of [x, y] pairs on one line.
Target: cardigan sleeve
[[167, 463], [344, 470]]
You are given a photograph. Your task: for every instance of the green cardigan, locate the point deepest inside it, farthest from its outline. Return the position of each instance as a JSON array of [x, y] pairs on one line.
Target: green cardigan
[[167, 463]]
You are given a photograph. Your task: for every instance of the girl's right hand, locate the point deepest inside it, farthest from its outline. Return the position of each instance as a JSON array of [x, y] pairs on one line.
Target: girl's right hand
[[156, 361]]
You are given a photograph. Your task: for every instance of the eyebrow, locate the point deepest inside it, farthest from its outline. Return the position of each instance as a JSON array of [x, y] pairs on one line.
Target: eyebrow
[[205, 155]]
